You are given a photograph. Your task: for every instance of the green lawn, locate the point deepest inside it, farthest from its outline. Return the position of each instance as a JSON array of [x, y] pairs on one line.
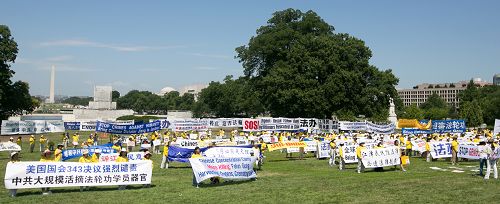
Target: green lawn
[[284, 181]]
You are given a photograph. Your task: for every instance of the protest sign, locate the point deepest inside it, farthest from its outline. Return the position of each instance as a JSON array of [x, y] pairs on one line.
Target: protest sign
[[219, 152], [225, 122], [188, 124], [468, 151], [283, 145], [380, 157], [409, 131], [191, 144], [251, 124], [323, 150], [440, 149], [72, 125], [9, 146], [311, 146], [496, 129], [380, 129], [127, 129], [75, 153], [355, 126], [19, 175], [448, 126], [226, 168], [418, 145], [349, 154], [132, 156]]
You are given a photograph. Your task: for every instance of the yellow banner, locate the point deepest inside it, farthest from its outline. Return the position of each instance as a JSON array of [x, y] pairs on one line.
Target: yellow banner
[[413, 123], [283, 145]]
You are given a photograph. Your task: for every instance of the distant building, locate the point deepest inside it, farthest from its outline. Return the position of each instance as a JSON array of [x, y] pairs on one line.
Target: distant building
[[194, 89], [165, 90], [496, 79], [102, 99], [447, 91]]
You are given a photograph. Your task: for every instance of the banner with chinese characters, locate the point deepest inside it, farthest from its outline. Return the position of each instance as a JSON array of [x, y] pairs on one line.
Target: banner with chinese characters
[[226, 168], [225, 122], [440, 149], [75, 153], [20, 175], [283, 145], [349, 153], [9, 146], [448, 126], [380, 157], [132, 156], [468, 152], [323, 150]]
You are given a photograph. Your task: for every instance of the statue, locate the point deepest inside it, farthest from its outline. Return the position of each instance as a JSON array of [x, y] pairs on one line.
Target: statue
[[392, 112]]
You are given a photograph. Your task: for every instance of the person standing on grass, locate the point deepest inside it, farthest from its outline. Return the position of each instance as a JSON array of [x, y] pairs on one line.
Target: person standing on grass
[[492, 154], [361, 147], [85, 159], [45, 157], [147, 157], [405, 160], [58, 153], [43, 142], [341, 157], [408, 146], [483, 156], [122, 158], [454, 151], [333, 149], [19, 141], [196, 154], [164, 160], [76, 139], [428, 150]]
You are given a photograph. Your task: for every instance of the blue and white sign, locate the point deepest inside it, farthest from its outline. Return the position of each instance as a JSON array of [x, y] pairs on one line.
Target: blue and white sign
[[409, 131], [128, 129], [440, 149], [448, 126], [72, 125], [75, 153]]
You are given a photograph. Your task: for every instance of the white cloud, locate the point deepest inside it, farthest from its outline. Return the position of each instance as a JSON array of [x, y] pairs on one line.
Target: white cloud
[[210, 55], [87, 43], [57, 61]]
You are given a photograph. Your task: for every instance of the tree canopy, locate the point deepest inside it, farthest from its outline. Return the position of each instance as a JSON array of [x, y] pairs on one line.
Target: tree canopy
[[14, 96]]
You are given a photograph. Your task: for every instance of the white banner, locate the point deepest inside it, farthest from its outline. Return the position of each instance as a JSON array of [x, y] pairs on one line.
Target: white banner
[[223, 152], [312, 146], [496, 129], [87, 126], [356, 126], [190, 144], [418, 145], [468, 151], [323, 150], [251, 125], [225, 122], [226, 168], [9, 146], [55, 126], [31, 127], [188, 124], [380, 157], [20, 175], [274, 124], [10, 127], [440, 149], [132, 156], [349, 152]]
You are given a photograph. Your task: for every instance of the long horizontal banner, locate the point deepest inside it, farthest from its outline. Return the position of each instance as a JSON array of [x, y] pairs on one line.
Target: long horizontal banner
[[30, 127], [19, 175], [127, 129], [448, 126], [367, 126], [283, 145], [180, 154], [91, 125], [380, 157], [410, 131], [414, 124], [9, 146], [226, 168], [75, 153]]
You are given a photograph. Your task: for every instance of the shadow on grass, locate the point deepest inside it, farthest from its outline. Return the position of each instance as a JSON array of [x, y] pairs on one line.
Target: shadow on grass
[[179, 167], [225, 183], [77, 189]]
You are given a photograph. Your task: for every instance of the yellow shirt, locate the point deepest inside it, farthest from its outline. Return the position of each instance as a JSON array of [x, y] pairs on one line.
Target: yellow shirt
[[58, 155], [117, 148], [45, 159], [19, 142], [333, 145], [341, 153], [90, 141], [404, 160], [194, 156], [85, 160], [32, 140], [408, 144], [165, 150], [43, 140], [121, 159], [454, 146], [358, 151], [475, 140], [427, 147], [94, 158], [263, 146], [75, 138]]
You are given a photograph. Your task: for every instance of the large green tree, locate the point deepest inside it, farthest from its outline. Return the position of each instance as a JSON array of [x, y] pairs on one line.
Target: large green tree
[[300, 67], [435, 108], [14, 96]]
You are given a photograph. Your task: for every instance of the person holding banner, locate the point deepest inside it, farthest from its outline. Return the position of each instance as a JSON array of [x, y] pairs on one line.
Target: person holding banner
[[333, 148], [147, 156], [32, 143], [116, 147], [85, 159], [492, 153], [361, 166], [58, 153], [96, 156], [164, 160], [196, 154], [454, 151], [46, 158], [122, 158], [14, 157]]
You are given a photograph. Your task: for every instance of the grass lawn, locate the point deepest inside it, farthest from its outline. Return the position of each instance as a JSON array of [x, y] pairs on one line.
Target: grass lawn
[[282, 181]]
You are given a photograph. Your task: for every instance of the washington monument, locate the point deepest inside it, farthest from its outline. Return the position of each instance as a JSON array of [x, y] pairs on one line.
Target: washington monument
[[52, 79]]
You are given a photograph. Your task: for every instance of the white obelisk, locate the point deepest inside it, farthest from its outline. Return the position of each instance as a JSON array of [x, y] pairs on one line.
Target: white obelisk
[[52, 79]]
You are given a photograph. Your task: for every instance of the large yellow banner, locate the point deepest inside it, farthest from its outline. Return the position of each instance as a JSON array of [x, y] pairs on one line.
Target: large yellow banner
[[413, 123], [283, 145]]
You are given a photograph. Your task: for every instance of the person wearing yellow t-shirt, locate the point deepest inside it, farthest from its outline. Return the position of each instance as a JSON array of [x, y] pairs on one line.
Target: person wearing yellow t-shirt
[[46, 158], [43, 142], [164, 160], [19, 142], [90, 141], [116, 147], [361, 147], [408, 147], [454, 151], [122, 158], [76, 139], [32, 143], [405, 160], [58, 153], [196, 154], [428, 150], [85, 159], [476, 139], [341, 155], [333, 148], [96, 155]]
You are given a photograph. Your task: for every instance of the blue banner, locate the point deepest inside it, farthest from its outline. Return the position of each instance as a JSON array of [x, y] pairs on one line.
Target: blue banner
[[409, 131], [448, 126], [72, 125], [75, 153], [180, 154], [127, 129]]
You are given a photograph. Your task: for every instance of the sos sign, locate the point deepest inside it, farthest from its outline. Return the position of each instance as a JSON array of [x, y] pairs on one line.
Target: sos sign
[[251, 124]]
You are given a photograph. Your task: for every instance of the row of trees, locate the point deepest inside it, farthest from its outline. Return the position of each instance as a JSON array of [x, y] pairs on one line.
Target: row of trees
[[149, 103], [477, 105]]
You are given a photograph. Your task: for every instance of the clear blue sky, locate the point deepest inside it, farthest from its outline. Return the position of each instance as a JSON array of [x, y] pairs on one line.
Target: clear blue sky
[[148, 45]]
